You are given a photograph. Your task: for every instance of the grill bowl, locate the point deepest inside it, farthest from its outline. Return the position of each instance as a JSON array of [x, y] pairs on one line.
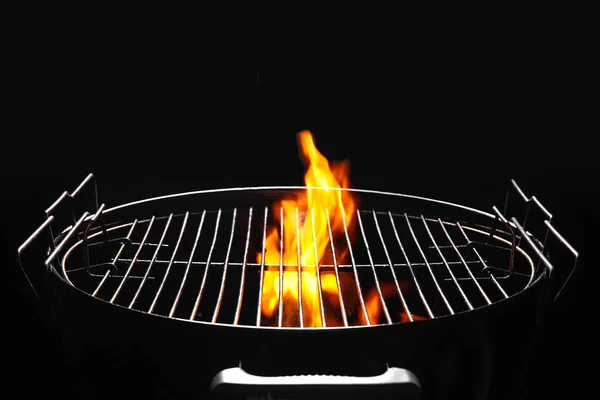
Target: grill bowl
[[448, 352]]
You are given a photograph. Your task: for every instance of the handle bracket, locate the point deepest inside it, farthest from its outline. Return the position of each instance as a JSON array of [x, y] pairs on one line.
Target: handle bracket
[[68, 199], [541, 247]]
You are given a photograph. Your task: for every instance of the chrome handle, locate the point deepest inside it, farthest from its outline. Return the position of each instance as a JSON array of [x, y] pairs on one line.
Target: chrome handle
[[47, 224], [90, 177], [67, 237], [570, 248], [235, 383], [530, 200], [26, 244], [544, 260], [70, 197], [541, 248], [57, 249]]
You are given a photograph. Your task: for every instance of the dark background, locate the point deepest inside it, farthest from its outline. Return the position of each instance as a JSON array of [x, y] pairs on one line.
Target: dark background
[[456, 126]]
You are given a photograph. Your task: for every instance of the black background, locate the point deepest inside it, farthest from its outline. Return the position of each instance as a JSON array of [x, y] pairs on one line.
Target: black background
[[456, 125]]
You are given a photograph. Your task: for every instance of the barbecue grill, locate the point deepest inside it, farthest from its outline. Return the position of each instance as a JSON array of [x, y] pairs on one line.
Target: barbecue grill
[[430, 299]]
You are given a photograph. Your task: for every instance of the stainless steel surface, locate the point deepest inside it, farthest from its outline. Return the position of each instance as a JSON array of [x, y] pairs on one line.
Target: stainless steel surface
[[440, 259], [336, 269], [210, 223], [394, 383]]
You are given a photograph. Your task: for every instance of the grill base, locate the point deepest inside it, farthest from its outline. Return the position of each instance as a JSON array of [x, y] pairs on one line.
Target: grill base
[[157, 357]]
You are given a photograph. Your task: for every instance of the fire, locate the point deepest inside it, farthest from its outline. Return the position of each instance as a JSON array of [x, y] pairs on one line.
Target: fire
[[305, 226], [310, 220], [373, 303]]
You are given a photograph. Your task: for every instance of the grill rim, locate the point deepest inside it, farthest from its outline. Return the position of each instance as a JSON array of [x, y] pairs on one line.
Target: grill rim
[[294, 188], [535, 277]]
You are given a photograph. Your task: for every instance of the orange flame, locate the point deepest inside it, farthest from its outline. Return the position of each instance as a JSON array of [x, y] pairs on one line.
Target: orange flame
[[310, 220], [374, 307]]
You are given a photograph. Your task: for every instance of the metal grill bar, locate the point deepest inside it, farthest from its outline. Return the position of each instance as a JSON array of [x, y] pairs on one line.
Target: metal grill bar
[[563, 241], [462, 293], [56, 202], [137, 253], [210, 253], [101, 283], [541, 207], [243, 277], [335, 266], [435, 282], [300, 314], [48, 210], [146, 244], [487, 299], [115, 258], [492, 277], [449, 251], [162, 283], [82, 184], [26, 243], [262, 268], [501, 218], [387, 256], [317, 271], [224, 274], [86, 252], [280, 316], [412, 273], [294, 265], [358, 288], [64, 241], [377, 285], [536, 249], [154, 256], [122, 260], [187, 268], [529, 201]]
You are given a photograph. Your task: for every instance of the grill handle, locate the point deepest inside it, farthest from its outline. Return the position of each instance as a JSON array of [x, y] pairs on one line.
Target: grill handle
[[235, 383], [69, 200], [541, 249], [26, 243], [544, 260], [89, 178], [46, 225]]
